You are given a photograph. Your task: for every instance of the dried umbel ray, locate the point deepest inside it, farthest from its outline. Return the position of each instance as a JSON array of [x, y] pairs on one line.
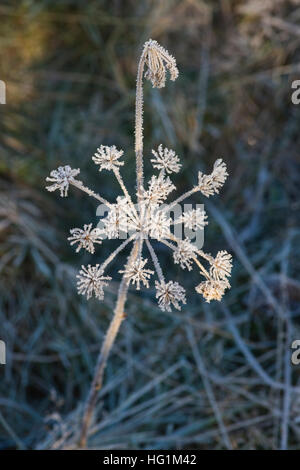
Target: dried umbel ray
[[145, 220]]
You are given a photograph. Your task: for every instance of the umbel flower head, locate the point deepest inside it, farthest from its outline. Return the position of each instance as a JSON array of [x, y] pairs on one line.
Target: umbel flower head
[[145, 215], [158, 60]]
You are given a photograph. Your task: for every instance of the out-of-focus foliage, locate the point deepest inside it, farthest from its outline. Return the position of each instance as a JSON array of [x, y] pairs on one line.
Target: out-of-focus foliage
[[211, 376]]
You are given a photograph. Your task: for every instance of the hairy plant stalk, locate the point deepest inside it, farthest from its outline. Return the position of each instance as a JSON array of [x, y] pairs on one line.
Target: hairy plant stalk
[[124, 189], [155, 262], [139, 126], [103, 355], [182, 197], [202, 269], [80, 185], [121, 247]]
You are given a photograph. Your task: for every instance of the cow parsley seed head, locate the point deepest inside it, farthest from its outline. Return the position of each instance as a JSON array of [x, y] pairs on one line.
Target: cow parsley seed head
[[136, 224], [166, 159], [184, 253], [210, 184], [136, 273], [146, 219], [108, 158], [170, 293], [61, 179], [194, 219], [158, 60], [85, 238], [91, 281]]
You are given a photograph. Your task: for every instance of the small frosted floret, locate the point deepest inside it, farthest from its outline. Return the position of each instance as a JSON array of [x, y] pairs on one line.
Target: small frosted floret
[[91, 281], [137, 274], [210, 184], [221, 266], [85, 238], [159, 187], [168, 294], [108, 158], [121, 218], [158, 60], [157, 224], [194, 219], [61, 179], [166, 159], [212, 289], [184, 254]]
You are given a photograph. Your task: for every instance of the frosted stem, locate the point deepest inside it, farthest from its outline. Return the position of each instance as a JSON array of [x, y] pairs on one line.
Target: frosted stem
[[195, 259], [181, 198], [155, 262], [103, 355], [208, 258], [117, 251], [139, 127], [78, 184], [124, 189], [202, 269]]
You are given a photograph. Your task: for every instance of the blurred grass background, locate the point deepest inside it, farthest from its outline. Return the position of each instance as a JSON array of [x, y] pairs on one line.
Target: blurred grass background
[[212, 376]]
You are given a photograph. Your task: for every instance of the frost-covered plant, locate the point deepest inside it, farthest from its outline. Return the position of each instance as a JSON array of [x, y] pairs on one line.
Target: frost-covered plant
[[145, 217]]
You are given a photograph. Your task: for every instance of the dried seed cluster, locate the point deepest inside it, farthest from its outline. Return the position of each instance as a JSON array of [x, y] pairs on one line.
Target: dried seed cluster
[[148, 219]]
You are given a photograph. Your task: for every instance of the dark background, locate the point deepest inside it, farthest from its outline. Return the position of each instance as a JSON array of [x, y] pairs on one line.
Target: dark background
[[212, 376]]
